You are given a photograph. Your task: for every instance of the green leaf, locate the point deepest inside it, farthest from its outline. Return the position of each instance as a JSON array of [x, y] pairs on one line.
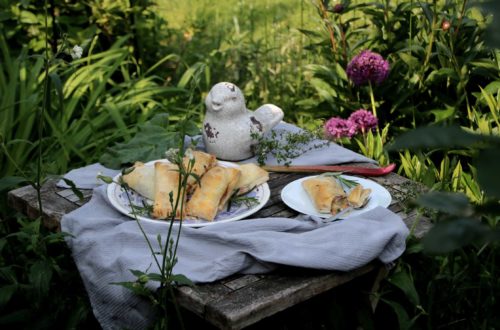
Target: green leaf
[[310, 33], [10, 182], [447, 236], [6, 293], [404, 320], [443, 114], [105, 179], [74, 189], [189, 127], [56, 80], [410, 60], [487, 171], [427, 11], [441, 74], [403, 280], [438, 137], [447, 202], [40, 276], [137, 273], [493, 87], [150, 143], [155, 277], [181, 280], [135, 287]]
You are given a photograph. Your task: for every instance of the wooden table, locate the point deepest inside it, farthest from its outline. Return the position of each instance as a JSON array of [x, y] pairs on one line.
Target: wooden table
[[242, 300]]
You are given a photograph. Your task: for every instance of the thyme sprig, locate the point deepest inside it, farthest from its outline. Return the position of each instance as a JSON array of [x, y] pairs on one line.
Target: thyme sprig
[[286, 145]]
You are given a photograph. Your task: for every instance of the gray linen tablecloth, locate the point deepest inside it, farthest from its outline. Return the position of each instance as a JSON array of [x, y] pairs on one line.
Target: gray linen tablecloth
[[106, 245]]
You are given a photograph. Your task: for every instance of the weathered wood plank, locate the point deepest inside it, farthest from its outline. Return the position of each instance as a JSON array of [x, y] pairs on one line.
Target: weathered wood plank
[[25, 200], [241, 281], [196, 298], [272, 294]]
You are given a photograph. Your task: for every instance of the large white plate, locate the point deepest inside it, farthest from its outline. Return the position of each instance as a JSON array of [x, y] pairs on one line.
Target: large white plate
[[118, 199], [294, 195]]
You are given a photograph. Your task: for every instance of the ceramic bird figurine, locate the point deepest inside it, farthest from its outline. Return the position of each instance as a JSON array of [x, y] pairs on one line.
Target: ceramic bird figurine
[[228, 124]]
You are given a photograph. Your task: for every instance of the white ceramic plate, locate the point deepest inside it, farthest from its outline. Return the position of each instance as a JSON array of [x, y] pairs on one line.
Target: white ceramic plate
[[295, 196], [118, 199]]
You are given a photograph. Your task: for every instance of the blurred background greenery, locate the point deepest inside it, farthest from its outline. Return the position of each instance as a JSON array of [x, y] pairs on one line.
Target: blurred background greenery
[[147, 66]]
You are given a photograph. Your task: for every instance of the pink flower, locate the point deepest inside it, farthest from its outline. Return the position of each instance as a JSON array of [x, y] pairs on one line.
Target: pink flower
[[363, 120], [337, 128], [367, 67]]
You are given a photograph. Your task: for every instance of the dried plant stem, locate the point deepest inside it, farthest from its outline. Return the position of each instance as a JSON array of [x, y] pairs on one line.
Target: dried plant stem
[[324, 15], [41, 114]]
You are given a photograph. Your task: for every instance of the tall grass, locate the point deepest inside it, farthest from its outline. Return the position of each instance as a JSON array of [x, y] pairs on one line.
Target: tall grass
[[97, 100], [20, 96]]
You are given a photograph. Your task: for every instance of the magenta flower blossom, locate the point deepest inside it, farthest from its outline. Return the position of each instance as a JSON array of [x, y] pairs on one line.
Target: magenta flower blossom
[[337, 128], [367, 67], [363, 120]]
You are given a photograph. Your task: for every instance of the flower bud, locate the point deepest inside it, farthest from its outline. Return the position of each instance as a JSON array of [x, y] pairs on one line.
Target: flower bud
[[445, 25], [76, 52], [338, 8]]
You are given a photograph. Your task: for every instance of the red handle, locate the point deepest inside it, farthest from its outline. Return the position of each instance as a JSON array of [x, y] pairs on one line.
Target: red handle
[[366, 171]]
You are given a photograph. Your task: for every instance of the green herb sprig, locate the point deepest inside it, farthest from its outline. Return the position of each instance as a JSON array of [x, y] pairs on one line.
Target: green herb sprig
[[348, 184], [285, 145], [238, 200]]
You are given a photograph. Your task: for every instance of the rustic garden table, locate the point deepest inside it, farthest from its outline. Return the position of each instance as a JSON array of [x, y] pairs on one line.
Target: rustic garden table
[[243, 300]]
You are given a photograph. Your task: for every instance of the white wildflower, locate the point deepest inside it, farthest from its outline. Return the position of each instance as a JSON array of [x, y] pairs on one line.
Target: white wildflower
[[76, 52], [171, 154], [189, 153]]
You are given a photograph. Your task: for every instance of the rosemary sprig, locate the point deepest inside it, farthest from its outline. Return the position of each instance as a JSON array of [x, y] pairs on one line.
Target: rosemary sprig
[[238, 200], [343, 181]]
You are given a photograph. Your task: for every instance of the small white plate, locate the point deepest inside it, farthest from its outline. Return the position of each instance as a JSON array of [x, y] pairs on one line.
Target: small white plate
[[295, 196], [119, 200]]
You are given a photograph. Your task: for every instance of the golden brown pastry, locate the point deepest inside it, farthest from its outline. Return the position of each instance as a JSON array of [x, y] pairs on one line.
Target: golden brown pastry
[[233, 177], [204, 202], [326, 194], [203, 162], [166, 182], [141, 180], [251, 176], [358, 196]]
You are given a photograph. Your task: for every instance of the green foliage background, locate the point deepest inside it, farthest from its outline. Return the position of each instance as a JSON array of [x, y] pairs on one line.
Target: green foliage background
[[147, 67]]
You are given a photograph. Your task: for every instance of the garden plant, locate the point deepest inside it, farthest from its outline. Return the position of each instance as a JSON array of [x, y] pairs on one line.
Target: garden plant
[[416, 83]]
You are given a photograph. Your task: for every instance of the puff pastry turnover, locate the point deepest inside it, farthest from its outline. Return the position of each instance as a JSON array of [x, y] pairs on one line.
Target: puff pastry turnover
[[166, 182], [202, 163], [204, 202], [141, 180], [251, 176], [326, 194]]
